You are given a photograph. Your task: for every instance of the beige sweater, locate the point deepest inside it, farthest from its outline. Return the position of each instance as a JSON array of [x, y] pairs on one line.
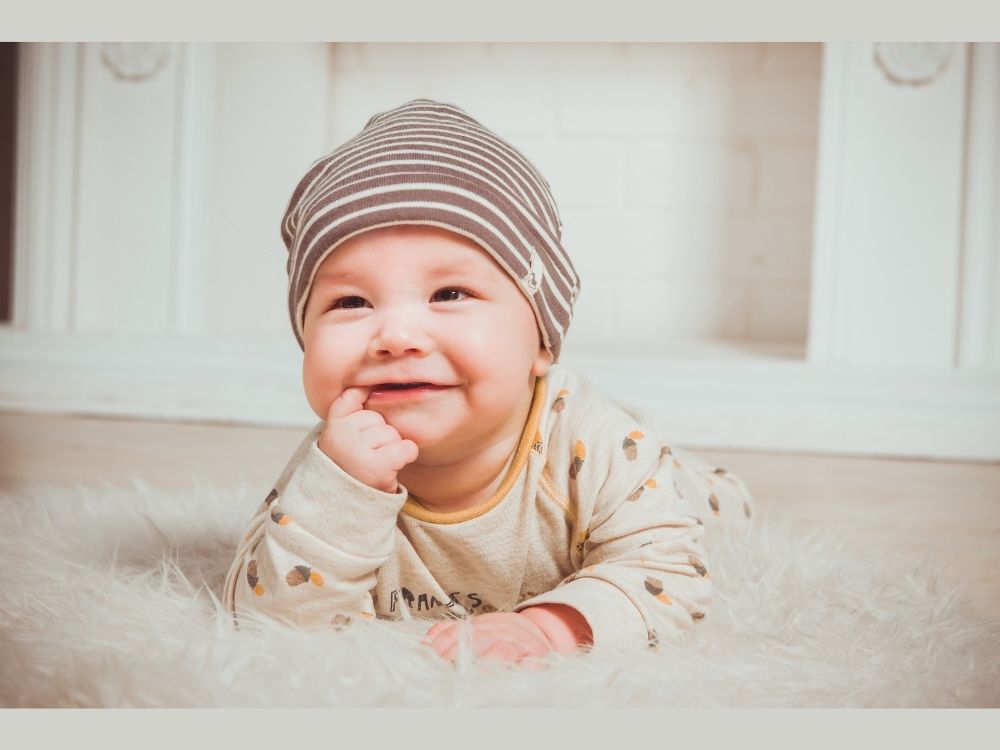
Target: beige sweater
[[595, 511]]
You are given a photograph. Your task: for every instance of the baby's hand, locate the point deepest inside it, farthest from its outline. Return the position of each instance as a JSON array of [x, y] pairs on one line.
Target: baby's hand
[[362, 444], [503, 636]]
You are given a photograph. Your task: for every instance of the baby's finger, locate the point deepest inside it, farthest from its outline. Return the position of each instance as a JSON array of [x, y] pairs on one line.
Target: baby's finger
[[433, 635], [378, 435], [451, 653], [532, 664], [348, 402], [362, 420], [501, 651], [453, 642], [438, 627], [398, 454], [444, 640]]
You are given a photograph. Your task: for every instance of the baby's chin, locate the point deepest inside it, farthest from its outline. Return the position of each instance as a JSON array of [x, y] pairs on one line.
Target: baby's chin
[[428, 433]]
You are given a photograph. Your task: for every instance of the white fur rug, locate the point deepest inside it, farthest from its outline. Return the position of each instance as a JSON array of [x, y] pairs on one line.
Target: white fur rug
[[109, 597]]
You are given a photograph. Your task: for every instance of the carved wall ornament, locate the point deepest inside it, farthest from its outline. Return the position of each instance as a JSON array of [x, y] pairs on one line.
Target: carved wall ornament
[[135, 61], [913, 63]]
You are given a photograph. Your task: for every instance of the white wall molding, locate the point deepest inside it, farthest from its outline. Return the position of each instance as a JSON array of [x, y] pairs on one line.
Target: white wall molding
[[802, 407], [914, 63], [766, 404], [128, 140], [827, 280], [135, 61], [979, 319], [47, 185], [195, 118], [888, 230], [227, 378]]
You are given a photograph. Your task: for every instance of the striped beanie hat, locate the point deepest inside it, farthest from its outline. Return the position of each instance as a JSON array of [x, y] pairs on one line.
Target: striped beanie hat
[[426, 162]]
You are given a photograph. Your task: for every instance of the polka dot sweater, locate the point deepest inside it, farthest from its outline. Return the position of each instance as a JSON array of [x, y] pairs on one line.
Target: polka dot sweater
[[596, 511]]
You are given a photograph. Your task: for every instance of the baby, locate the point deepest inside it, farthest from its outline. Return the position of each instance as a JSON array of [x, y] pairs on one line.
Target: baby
[[459, 470]]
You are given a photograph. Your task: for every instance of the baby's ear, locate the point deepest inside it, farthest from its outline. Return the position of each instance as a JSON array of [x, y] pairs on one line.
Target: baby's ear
[[542, 362]]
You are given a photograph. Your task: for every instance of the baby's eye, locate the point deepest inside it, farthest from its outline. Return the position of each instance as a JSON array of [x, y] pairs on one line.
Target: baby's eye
[[449, 294], [349, 303]]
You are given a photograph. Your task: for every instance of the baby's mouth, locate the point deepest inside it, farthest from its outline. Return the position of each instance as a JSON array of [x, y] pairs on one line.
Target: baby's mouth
[[399, 391]]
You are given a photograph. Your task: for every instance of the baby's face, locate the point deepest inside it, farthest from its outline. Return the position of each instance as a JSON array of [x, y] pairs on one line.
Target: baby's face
[[420, 304]]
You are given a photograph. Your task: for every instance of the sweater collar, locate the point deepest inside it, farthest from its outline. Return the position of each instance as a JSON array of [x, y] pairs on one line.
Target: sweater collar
[[415, 510]]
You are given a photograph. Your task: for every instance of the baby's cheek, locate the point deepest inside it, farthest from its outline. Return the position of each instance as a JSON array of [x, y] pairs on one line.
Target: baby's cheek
[[501, 339], [469, 334], [322, 381]]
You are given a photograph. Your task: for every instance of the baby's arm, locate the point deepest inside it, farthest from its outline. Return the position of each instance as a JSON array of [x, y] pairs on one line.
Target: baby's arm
[[314, 548], [643, 573]]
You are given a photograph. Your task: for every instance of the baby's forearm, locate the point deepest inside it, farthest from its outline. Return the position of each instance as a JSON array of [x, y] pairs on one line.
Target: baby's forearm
[[564, 626]]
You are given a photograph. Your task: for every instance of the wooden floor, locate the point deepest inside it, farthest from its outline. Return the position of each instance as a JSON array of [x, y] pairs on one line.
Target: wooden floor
[[906, 508]]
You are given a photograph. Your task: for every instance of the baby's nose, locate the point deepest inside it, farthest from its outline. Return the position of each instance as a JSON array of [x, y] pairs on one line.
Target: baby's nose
[[398, 336]]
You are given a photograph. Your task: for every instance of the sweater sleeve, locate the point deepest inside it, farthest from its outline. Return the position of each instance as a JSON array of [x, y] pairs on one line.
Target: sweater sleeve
[[314, 547], [642, 577]]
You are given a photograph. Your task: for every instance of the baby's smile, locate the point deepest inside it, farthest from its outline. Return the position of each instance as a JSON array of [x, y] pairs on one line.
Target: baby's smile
[[404, 392]]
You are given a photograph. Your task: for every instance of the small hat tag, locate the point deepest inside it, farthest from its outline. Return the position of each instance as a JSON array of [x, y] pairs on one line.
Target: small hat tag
[[534, 278]]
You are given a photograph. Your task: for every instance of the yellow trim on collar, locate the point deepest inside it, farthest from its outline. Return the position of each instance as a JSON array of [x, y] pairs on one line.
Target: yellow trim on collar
[[414, 509]]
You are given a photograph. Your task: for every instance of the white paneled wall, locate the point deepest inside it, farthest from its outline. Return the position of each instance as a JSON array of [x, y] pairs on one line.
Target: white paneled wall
[[891, 240], [152, 205], [121, 225], [268, 126], [782, 246], [684, 172], [979, 316]]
